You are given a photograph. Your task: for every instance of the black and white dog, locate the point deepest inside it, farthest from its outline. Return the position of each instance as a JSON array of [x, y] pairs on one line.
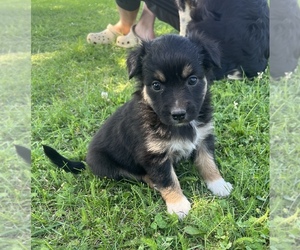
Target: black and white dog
[[169, 118], [240, 27]]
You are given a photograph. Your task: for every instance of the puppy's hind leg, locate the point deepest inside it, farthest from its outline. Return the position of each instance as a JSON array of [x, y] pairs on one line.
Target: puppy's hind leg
[[102, 165], [208, 169]]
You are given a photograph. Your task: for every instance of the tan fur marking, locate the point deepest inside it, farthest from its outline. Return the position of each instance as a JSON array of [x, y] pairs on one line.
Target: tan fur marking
[[172, 194], [187, 70], [146, 179], [146, 97], [155, 146], [159, 76], [206, 165]]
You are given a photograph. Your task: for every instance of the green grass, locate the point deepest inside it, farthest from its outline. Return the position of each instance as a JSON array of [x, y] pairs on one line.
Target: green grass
[[284, 163], [285, 173], [84, 212], [14, 124]]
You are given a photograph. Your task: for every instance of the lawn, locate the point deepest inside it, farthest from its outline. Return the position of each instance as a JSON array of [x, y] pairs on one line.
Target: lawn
[[284, 162], [75, 87], [15, 124]]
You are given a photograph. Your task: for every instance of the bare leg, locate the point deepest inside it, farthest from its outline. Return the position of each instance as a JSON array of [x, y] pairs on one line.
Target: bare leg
[[143, 30], [145, 26], [127, 19]]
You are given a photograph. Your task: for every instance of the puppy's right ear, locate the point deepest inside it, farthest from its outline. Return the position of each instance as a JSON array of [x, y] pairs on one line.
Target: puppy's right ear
[[134, 60]]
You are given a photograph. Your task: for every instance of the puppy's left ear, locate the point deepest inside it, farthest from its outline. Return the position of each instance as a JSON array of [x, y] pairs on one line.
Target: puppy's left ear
[[208, 48], [134, 60]]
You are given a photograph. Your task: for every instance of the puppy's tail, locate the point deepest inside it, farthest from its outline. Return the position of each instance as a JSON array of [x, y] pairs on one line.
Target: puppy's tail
[[74, 167]]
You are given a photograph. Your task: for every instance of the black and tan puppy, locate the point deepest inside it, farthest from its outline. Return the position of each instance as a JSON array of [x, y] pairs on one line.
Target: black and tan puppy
[[168, 118]]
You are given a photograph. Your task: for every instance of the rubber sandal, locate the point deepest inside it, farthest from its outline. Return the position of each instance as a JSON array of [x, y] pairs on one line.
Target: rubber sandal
[[130, 40], [106, 36]]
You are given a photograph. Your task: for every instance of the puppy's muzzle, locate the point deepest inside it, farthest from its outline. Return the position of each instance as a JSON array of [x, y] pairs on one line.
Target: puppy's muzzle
[[178, 115]]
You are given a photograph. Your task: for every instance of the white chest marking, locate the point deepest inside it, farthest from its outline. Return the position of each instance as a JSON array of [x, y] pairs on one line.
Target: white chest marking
[[183, 148]]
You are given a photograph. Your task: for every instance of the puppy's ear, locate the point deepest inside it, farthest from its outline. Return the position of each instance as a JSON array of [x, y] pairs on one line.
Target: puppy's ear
[[208, 48], [134, 60]]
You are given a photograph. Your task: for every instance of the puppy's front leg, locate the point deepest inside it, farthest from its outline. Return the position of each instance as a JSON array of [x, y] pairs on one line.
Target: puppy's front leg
[[208, 169], [166, 182]]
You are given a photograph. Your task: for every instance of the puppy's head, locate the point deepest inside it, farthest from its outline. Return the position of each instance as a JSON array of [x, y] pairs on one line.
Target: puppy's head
[[172, 75]]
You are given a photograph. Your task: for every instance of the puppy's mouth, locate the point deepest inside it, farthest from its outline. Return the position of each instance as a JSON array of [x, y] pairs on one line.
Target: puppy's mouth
[[181, 123]]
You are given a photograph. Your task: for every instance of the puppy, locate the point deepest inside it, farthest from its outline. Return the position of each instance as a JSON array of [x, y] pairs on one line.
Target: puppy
[[240, 27], [169, 118]]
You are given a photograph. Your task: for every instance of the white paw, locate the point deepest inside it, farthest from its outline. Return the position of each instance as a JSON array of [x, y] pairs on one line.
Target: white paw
[[180, 208], [220, 187]]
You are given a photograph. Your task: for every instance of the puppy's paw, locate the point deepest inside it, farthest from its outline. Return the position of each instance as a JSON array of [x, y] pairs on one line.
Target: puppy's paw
[[220, 187], [180, 208]]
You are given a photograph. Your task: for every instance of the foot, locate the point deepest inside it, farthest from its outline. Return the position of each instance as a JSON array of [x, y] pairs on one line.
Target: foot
[[130, 40], [106, 36], [180, 208], [134, 37], [144, 34], [220, 187]]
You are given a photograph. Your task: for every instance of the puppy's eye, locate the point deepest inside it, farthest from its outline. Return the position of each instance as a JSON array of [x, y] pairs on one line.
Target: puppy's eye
[[192, 80], [156, 85]]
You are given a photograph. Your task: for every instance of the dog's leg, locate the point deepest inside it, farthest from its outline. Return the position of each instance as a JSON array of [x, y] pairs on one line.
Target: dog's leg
[[166, 182], [184, 19], [208, 169], [235, 75], [176, 202], [184, 10]]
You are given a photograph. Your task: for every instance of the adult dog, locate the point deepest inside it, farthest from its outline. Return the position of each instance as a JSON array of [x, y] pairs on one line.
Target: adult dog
[[168, 118], [240, 27]]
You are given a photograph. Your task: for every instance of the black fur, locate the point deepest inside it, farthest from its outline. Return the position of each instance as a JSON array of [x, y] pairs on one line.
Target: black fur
[[62, 162], [168, 118], [24, 152], [284, 37], [240, 27]]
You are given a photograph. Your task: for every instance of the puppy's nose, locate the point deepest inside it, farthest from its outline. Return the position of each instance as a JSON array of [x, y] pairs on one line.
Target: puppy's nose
[[178, 115]]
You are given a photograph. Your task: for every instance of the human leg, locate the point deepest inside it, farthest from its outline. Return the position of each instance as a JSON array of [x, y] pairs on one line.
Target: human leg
[[166, 11], [128, 11], [145, 26], [143, 30]]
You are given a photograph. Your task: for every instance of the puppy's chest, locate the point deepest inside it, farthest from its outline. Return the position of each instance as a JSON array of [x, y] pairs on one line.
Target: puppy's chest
[[180, 146]]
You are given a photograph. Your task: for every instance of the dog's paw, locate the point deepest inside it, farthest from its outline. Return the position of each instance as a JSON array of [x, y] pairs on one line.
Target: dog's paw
[[180, 208], [220, 187]]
